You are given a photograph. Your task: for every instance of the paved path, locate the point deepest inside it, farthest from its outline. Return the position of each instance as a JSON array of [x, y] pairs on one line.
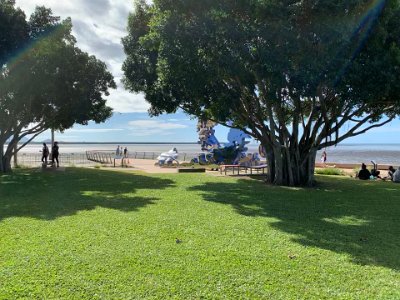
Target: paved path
[[51, 169], [147, 165]]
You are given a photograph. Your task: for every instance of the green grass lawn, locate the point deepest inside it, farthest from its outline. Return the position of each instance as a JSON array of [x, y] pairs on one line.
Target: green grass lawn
[[99, 234]]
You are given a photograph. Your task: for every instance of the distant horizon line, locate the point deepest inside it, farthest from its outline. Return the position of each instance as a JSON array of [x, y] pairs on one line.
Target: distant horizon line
[[179, 143], [112, 143]]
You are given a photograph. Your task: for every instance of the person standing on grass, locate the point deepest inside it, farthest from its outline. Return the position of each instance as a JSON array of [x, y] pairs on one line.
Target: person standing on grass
[[55, 154], [45, 153]]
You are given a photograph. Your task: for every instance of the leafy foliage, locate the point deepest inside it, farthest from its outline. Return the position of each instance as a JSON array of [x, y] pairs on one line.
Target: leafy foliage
[[330, 171], [46, 81], [13, 29], [294, 75]]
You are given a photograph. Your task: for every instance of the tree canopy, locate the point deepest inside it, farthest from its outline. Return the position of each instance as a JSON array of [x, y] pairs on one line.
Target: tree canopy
[[13, 29], [298, 76], [46, 81]]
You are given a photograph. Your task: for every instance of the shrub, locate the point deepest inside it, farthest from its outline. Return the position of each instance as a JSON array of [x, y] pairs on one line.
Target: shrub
[[330, 171]]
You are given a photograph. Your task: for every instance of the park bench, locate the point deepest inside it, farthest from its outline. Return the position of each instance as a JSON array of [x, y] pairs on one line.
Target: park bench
[[237, 168], [224, 168], [259, 168]]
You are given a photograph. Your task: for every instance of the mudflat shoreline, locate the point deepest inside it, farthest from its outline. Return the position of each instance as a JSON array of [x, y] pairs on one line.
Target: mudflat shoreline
[[351, 166]]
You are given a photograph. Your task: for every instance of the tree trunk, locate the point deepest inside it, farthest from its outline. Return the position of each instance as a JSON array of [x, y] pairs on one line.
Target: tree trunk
[[288, 169], [15, 155], [5, 161], [270, 164], [308, 169], [52, 144], [5, 157]]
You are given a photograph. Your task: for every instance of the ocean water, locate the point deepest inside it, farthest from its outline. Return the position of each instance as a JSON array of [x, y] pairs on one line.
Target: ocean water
[[345, 153]]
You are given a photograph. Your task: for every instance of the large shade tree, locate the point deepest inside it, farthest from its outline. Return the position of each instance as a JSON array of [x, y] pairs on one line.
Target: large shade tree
[[298, 76], [13, 29], [46, 81]]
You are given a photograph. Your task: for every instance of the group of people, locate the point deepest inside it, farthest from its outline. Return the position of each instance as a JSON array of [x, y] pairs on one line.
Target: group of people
[[121, 152], [54, 154], [365, 174]]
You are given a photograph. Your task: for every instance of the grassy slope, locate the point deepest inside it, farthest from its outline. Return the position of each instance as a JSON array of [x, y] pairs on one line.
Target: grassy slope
[[88, 234]]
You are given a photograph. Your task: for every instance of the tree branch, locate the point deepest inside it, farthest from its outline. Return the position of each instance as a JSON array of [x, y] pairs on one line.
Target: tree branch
[[30, 140], [352, 133]]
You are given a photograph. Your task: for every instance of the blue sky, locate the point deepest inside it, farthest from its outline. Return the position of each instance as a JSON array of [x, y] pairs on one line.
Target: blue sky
[[139, 127], [99, 26]]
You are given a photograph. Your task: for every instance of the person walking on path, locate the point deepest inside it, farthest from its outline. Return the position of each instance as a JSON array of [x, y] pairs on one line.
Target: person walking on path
[[118, 151], [324, 157], [126, 152], [124, 156], [45, 153], [55, 154]]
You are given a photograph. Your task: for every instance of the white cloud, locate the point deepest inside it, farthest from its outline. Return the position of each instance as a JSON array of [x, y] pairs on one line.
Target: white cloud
[[124, 102], [153, 124], [179, 120], [153, 127], [99, 26], [94, 130], [157, 132]]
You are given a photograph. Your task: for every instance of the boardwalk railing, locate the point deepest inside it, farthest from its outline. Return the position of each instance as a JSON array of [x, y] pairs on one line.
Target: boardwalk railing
[[66, 159], [102, 157], [109, 157], [184, 156], [91, 158], [106, 157]]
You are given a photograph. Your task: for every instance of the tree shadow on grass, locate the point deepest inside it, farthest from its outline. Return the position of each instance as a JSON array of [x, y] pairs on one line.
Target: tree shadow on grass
[[49, 196], [360, 219]]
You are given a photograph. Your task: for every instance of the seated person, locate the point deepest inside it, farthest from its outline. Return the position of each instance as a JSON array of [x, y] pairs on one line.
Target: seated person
[[391, 172], [375, 173], [364, 174], [396, 176]]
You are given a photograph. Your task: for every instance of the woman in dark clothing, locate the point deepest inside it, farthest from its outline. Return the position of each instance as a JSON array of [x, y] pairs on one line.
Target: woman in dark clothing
[[364, 174], [45, 153], [54, 154]]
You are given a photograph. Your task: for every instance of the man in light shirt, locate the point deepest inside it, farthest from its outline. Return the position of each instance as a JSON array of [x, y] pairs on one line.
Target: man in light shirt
[[396, 176]]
